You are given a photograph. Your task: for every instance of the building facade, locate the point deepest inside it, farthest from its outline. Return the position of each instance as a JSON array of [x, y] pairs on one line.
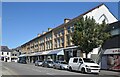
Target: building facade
[[59, 38], [15, 53], [110, 57], [5, 54]]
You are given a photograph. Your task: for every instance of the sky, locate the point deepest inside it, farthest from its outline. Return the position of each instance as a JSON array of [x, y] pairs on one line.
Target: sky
[[22, 21]]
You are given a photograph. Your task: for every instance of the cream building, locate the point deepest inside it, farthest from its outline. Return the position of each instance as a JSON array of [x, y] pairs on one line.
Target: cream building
[[59, 38]]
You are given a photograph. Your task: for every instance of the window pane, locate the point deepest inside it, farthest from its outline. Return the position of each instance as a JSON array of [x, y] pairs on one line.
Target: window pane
[[75, 60]]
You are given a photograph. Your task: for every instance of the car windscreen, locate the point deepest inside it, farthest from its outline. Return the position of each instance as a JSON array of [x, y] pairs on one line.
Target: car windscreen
[[88, 60], [49, 61], [63, 63], [39, 61]]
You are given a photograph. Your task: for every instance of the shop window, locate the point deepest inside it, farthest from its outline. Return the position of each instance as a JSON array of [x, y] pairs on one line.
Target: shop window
[[8, 58]]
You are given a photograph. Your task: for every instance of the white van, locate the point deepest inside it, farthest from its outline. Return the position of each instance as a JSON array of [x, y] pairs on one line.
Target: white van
[[85, 65]]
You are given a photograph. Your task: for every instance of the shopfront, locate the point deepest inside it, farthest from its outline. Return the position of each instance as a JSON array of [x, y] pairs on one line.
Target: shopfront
[[111, 59]]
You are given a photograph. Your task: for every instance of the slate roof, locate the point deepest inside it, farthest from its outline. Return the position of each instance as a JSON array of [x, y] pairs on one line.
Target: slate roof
[[5, 49], [113, 26]]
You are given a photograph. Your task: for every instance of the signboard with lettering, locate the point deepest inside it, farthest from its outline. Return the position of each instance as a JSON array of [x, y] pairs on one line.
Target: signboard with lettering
[[112, 51]]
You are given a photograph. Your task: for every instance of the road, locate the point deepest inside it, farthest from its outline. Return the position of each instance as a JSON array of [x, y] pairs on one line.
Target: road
[[17, 69]]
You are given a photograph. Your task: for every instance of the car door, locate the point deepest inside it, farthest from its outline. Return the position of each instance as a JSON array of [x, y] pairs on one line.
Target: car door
[[80, 63], [58, 64], [75, 64]]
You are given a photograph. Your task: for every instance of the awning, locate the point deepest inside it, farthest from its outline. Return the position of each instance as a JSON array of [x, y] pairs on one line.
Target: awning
[[32, 54], [56, 52], [38, 53], [45, 52], [23, 55]]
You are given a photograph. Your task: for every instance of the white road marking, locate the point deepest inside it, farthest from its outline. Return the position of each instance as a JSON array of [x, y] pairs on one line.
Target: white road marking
[[50, 74]]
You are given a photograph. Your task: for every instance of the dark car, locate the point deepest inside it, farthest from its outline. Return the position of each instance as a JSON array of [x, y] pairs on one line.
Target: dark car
[[48, 64], [22, 61]]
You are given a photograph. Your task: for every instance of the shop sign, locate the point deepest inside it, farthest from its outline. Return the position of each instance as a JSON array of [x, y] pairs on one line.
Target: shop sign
[[112, 51]]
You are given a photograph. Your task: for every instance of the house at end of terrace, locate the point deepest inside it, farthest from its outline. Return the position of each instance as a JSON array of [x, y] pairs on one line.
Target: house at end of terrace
[[56, 43]]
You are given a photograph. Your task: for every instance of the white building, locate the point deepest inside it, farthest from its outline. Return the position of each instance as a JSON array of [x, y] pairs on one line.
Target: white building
[[14, 55], [5, 54], [99, 13]]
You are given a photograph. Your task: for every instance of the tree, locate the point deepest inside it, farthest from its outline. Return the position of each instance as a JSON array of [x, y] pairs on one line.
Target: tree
[[88, 34]]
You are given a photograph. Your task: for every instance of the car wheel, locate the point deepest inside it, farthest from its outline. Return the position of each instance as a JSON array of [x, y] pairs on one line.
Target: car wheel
[[42, 65], [70, 68], [47, 66], [54, 67], [60, 67], [83, 70]]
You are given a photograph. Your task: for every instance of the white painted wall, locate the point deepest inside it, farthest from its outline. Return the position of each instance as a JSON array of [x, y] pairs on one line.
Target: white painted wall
[[101, 13], [6, 56]]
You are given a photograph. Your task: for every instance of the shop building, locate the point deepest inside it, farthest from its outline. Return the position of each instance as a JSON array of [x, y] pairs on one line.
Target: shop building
[[110, 57], [59, 38]]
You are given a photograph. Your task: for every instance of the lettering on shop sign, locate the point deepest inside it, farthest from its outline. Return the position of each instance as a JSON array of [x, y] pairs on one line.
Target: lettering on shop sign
[[116, 51]]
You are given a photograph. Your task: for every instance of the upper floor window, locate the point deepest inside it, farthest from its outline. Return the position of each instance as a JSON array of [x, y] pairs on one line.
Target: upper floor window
[[2, 53], [7, 53], [62, 32], [58, 33], [72, 28], [115, 32], [68, 29]]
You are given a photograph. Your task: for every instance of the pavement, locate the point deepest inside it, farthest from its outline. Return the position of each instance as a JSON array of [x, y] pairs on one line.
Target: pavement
[[24, 70]]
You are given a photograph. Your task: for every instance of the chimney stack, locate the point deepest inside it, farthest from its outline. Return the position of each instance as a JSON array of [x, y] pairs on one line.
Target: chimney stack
[[43, 32], [66, 20], [49, 29], [39, 35]]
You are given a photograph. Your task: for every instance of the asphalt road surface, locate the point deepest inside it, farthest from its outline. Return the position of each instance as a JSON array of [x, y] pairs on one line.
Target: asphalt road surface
[[17, 70]]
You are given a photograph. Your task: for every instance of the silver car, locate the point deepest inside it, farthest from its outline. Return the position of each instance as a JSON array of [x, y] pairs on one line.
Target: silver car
[[60, 65], [38, 63]]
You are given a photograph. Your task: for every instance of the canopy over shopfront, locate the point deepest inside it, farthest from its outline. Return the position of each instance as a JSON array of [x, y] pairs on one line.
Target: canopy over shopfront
[[24, 55], [56, 52]]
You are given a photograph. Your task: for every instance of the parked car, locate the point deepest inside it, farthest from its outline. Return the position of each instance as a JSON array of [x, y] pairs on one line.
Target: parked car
[[85, 65], [22, 61], [38, 63], [60, 65], [48, 64]]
